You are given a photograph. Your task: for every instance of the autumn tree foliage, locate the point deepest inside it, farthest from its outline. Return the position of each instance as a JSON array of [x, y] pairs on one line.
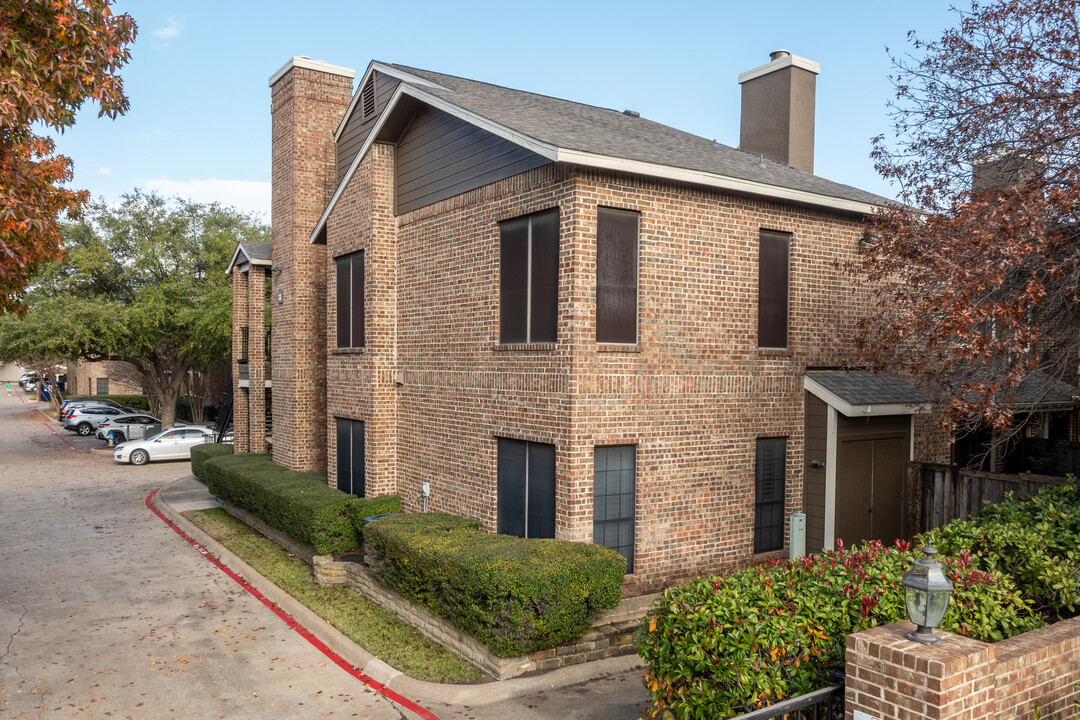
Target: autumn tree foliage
[[977, 277], [54, 56]]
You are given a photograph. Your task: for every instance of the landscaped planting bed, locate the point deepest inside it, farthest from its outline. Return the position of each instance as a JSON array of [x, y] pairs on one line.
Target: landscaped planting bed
[[718, 646]]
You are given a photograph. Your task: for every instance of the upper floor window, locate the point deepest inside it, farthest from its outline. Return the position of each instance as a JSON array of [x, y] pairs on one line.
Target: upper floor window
[[773, 249], [350, 300], [616, 276], [529, 278]]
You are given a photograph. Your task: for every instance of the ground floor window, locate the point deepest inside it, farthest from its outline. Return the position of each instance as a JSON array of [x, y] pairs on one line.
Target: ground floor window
[[103, 386], [614, 470], [769, 494], [350, 456], [526, 489]]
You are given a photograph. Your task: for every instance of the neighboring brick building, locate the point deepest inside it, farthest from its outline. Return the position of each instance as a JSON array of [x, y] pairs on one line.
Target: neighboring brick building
[[570, 321], [104, 377]]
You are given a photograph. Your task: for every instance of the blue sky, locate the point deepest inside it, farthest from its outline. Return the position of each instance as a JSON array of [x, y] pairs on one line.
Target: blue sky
[[199, 124]]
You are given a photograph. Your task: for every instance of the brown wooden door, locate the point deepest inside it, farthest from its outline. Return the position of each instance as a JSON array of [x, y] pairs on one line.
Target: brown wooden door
[[870, 489]]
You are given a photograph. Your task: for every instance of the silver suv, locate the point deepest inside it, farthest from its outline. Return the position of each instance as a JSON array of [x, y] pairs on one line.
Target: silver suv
[[84, 420]]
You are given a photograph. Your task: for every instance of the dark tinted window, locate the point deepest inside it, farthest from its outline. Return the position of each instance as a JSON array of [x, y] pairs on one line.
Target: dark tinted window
[[526, 488], [529, 278], [350, 300], [350, 456], [613, 499], [773, 289], [616, 276], [769, 494]]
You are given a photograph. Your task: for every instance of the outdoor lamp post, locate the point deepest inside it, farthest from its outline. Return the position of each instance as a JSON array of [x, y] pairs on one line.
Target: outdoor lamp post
[[926, 593]]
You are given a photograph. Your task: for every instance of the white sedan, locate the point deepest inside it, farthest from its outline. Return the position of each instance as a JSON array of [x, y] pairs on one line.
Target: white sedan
[[172, 444]]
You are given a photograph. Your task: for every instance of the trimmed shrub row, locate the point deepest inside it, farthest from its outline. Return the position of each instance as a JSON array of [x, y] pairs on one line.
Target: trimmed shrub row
[[723, 646], [299, 504], [513, 595], [200, 454]]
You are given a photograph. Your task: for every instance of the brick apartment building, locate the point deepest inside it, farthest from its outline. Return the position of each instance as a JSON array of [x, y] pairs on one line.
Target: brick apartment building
[[569, 321]]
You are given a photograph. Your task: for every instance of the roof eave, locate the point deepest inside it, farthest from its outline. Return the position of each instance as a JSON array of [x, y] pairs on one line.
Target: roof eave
[[847, 409]]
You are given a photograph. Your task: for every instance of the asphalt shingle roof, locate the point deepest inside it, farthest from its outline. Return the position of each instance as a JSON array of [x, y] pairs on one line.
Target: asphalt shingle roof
[[586, 128], [861, 387], [256, 250]]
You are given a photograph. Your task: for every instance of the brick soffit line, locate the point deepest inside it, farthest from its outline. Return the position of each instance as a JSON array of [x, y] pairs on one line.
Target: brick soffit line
[[565, 155]]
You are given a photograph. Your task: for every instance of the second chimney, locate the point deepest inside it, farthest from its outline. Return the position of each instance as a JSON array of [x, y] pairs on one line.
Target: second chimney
[[778, 110]]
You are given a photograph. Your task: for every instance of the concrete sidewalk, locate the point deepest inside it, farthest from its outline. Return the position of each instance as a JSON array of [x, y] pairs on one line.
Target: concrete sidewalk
[[189, 493]]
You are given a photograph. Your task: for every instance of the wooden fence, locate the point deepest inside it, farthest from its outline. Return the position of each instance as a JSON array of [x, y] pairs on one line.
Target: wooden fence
[[937, 494]]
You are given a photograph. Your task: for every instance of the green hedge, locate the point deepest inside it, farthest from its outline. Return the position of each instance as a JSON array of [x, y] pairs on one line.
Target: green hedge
[[299, 504], [514, 595], [722, 646], [207, 451], [1035, 540]]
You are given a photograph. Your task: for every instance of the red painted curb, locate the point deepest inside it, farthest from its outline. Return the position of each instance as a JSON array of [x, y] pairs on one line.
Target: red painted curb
[[292, 623], [63, 439]]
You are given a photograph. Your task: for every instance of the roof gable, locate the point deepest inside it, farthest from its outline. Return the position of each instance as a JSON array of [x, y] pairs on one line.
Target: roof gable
[[249, 254], [565, 131]]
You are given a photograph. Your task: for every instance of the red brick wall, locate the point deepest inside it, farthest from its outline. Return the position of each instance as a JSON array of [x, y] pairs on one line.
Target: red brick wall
[[306, 106], [1030, 676], [693, 394]]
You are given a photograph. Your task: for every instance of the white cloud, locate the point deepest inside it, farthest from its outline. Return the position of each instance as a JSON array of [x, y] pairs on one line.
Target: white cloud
[[106, 171], [249, 196], [171, 30]]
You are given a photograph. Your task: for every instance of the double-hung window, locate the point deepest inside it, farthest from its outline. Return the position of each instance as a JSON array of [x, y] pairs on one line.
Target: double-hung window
[[526, 489], [769, 494], [529, 278], [350, 300], [616, 276], [773, 252]]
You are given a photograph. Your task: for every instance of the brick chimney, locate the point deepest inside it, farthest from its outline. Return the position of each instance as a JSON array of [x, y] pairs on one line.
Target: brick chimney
[[308, 99], [778, 110]]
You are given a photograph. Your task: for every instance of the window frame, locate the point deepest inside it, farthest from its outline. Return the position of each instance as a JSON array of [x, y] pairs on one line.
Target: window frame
[[597, 450], [511, 278], [775, 499], [506, 525], [768, 296], [353, 429], [605, 336], [99, 384], [347, 321]]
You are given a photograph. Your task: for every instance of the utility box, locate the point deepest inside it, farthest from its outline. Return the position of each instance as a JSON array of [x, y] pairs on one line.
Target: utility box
[[798, 535]]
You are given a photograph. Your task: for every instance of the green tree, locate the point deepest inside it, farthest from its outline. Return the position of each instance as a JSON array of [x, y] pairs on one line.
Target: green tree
[[54, 56], [143, 282]]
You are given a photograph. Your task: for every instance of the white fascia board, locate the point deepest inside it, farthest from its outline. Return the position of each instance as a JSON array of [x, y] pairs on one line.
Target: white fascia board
[[540, 148], [303, 61], [723, 182], [385, 70], [235, 260], [780, 64], [846, 409]]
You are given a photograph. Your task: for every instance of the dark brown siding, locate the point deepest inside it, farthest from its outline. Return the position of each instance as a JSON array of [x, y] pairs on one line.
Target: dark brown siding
[[442, 156], [358, 127], [816, 432], [616, 276]]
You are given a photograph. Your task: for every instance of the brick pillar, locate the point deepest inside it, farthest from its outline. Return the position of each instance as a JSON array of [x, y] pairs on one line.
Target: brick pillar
[[257, 359], [891, 677], [308, 100], [241, 435]]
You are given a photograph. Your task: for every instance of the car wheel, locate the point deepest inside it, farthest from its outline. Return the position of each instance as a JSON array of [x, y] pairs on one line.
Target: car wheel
[[118, 437], [139, 457], [84, 429]]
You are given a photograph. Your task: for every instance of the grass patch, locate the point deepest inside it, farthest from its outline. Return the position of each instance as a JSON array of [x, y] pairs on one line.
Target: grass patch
[[379, 631]]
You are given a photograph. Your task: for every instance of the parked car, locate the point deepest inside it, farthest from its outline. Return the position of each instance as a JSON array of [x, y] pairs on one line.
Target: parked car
[[172, 444], [84, 420], [128, 427], [68, 406]]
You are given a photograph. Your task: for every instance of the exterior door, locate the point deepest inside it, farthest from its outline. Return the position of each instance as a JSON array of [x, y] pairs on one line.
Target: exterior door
[[870, 489]]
